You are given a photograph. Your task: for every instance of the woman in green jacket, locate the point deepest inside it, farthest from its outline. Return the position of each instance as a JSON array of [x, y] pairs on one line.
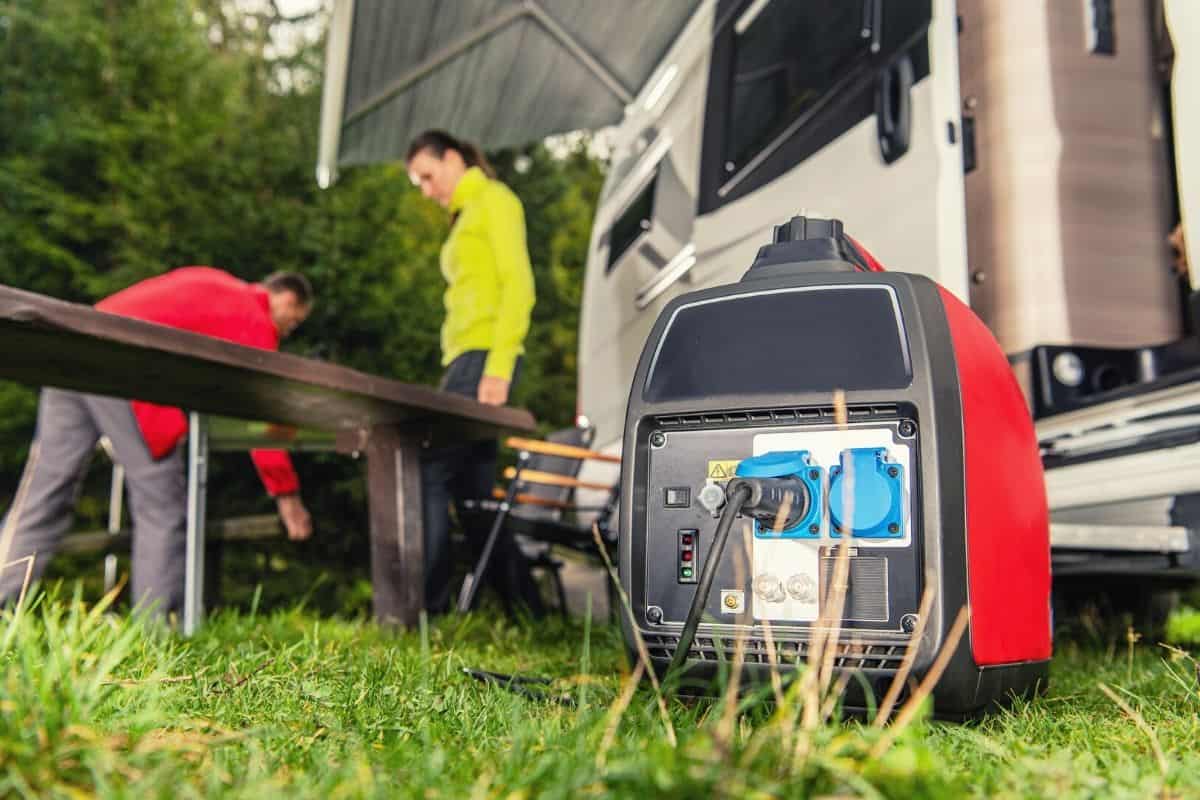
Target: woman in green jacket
[[488, 299]]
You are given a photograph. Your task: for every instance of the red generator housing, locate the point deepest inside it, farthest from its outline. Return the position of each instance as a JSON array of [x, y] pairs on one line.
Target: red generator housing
[[935, 474]]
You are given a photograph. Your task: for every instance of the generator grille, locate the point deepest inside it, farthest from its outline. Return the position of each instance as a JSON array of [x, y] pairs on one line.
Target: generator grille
[[775, 416], [867, 590], [788, 652]]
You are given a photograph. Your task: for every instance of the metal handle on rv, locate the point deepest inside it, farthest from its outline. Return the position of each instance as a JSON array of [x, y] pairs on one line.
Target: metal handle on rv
[[672, 271], [872, 23], [893, 108]]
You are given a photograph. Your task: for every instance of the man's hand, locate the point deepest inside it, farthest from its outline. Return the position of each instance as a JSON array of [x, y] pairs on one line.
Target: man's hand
[[295, 517], [492, 390]]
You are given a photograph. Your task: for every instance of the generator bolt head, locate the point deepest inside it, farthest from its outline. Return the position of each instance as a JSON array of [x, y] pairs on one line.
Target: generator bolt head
[[893, 472], [657, 439], [814, 528], [814, 474], [893, 528], [909, 623], [654, 615], [907, 428]]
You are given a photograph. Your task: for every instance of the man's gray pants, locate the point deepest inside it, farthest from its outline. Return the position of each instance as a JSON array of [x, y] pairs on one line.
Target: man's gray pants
[[68, 427]]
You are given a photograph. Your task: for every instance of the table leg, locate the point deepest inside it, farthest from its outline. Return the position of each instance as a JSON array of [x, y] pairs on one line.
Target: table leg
[[197, 482], [397, 525], [116, 497]]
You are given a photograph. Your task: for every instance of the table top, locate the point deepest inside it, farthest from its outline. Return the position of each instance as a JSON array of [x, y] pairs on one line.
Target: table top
[[48, 342]]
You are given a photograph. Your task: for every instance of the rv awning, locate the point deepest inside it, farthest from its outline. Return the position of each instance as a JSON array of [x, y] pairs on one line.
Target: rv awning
[[497, 72]]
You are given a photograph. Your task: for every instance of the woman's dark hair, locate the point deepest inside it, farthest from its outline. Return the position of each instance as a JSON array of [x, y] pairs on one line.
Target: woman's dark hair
[[438, 142]]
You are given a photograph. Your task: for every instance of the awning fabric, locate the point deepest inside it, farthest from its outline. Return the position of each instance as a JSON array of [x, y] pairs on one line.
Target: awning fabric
[[496, 72]]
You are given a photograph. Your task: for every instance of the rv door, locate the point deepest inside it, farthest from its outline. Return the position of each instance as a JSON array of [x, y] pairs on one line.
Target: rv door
[[843, 109]]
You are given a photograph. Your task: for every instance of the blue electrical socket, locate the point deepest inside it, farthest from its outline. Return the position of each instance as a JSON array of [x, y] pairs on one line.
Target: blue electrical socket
[[783, 464], [878, 494]]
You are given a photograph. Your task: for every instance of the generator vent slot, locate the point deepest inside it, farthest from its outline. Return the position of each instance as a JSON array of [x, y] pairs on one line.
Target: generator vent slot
[[867, 587], [788, 653], [775, 416]]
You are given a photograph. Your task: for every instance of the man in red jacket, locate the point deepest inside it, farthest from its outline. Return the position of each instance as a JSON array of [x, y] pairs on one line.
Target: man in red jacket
[[145, 437]]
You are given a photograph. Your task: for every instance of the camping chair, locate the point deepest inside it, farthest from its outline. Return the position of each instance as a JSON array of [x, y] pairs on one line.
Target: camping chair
[[538, 505]]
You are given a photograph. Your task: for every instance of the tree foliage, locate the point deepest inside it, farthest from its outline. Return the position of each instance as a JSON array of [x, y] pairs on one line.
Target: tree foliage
[[142, 135]]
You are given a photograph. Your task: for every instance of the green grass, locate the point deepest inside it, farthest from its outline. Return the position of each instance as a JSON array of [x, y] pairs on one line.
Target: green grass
[[1183, 628], [291, 705]]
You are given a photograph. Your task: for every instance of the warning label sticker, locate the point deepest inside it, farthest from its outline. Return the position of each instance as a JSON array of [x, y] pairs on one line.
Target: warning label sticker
[[722, 470]]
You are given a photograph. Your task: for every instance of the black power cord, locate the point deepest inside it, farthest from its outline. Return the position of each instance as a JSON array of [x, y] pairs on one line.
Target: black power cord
[[760, 498], [528, 686], [737, 493]]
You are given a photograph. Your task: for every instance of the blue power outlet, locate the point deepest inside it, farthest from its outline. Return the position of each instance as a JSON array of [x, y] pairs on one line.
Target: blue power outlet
[[784, 464], [876, 493]]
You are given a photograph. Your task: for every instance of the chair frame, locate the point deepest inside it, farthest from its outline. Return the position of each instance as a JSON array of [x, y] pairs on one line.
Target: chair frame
[[520, 477]]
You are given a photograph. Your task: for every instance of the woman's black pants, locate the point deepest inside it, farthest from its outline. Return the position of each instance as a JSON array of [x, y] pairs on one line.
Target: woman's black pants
[[467, 472]]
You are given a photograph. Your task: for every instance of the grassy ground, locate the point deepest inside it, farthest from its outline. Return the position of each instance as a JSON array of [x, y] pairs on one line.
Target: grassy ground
[[291, 705]]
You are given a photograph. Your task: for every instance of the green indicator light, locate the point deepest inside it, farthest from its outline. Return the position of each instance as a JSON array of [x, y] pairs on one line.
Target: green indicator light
[[686, 572]]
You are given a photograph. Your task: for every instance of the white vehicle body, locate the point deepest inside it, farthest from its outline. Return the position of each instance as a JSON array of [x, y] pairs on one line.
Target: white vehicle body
[[1056, 235]]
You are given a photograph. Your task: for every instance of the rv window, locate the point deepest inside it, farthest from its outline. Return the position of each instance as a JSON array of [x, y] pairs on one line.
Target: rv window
[[783, 63], [787, 82], [634, 221]]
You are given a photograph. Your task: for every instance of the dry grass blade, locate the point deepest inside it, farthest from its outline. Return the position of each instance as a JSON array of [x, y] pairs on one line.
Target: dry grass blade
[[15, 510], [1186, 682], [110, 597], [145, 681], [783, 710], [910, 655], [1132, 637], [839, 586], [196, 742], [773, 660], [1144, 726], [231, 684], [931, 678], [724, 734], [781, 515], [841, 416], [643, 653], [616, 711], [823, 648], [25, 581], [741, 567], [824, 652], [832, 697], [809, 691]]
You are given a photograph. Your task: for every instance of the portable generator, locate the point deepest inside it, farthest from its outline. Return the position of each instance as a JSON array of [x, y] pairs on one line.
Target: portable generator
[[932, 477]]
